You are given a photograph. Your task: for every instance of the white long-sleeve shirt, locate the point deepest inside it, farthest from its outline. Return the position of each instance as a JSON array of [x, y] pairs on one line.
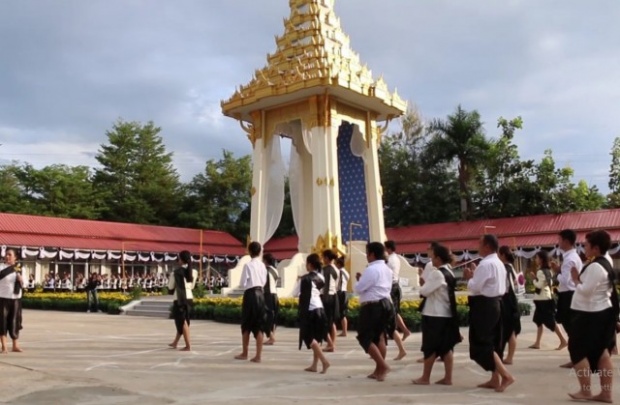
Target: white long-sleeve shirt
[[543, 284], [393, 262], [428, 268], [593, 294], [254, 274], [489, 278], [375, 283], [570, 259], [435, 289], [344, 279]]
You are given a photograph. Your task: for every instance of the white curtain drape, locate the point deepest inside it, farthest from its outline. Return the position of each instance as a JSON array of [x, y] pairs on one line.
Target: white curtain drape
[[275, 188], [44, 254], [295, 186]]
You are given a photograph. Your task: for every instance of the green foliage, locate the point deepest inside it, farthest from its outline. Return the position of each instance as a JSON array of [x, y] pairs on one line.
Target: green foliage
[[199, 291], [220, 197], [112, 307], [136, 292], [137, 182], [613, 199]]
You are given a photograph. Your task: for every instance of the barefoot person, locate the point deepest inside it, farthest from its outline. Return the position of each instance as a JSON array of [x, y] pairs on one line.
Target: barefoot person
[[11, 286], [393, 262], [440, 332], [343, 299], [376, 309], [426, 271], [180, 284], [511, 316], [312, 319], [566, 288], [271, 296], [544, 314], [594, 313], [329, 296], [253, 311], [487, 285]]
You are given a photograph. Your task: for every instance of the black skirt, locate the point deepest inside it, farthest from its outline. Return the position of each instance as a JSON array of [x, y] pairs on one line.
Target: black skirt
[[439, 335], [591, 334], [273, 309], [485, 330], [313, 326], [396, 294], [562, 314], [343, 304], [544, 314], [330, 305], [10, 317], [254, 312], [181, 314], [373, 322]]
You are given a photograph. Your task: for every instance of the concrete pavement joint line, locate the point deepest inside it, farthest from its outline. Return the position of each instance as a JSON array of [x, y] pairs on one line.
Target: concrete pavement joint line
[[102, 365], [22, 367], [120, 354]]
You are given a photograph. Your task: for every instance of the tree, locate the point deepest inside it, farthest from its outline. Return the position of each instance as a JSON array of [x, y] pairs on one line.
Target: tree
[[220, 197], [613, 199], [460, 138], [412, 180], [11, 190], [137, 181]]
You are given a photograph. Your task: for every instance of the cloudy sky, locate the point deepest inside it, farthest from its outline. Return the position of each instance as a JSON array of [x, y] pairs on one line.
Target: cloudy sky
[[70, 68]]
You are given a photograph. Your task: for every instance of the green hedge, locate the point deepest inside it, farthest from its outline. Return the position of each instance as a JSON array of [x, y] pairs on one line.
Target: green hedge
[[112, 307]]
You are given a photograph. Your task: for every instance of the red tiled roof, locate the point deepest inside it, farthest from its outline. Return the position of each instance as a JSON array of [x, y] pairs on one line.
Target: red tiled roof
[[38, 231], [539, 230]]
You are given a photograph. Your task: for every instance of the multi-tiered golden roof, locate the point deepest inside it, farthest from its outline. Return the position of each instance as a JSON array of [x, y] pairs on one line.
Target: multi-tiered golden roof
[[313, 57]]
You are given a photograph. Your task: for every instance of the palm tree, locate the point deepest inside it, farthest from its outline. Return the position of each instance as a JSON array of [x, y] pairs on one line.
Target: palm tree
[[460, 137]]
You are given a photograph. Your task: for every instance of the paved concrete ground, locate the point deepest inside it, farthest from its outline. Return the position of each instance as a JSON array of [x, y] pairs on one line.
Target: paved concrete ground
[[78, 358]]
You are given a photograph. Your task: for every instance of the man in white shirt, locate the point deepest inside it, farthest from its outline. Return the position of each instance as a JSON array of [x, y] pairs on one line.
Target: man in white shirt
[[376, 309], [253, 316], [566, 288], [487, 285]]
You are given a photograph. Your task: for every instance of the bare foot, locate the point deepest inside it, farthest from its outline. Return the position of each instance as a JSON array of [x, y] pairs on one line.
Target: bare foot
[[580, 396], [420, 360], [567, 365], [17, 350], [325, 367], [602, 398], [508, 362], [342, 334], [255, 359], [382, 373], [310, 369], [186, 349], [533, 347], [4, 351], [562, 346], [400, 356], [506, 382], [372, 376], [489, 385], [328, 349], [421, 381], [444, 381], [406, 334], [241, 357], [172, 345], [269, 343]]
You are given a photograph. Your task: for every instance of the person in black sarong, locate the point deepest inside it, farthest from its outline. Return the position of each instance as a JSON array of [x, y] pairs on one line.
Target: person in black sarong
[[487, 285], [594, 313], [330, 297], [271, 296], [312, 320], [253, 308], [440, 331], [11, 286], [511, 316], [343, 299], [180, 284]]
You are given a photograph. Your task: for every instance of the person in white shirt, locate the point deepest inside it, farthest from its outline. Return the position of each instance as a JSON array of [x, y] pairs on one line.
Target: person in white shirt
[[271, 296], [376, 309], [511, 316], [428, 267], [566, 288], [343, 299], [544, 313], [594, 313], [253, 316], [180, 285], [312, 320], [329, 296], [393, 262], [487, 285], [11, 286], [440, 331]]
